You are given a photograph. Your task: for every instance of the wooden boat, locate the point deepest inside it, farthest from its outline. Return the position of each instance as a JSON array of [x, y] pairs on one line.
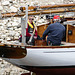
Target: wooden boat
[[43, 59]]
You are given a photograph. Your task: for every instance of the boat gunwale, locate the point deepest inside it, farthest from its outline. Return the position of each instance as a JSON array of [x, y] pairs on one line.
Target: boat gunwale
[[73, 46]]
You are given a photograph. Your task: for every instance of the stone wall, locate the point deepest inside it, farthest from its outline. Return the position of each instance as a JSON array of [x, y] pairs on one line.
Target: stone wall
[[9, 69], [10, 28]]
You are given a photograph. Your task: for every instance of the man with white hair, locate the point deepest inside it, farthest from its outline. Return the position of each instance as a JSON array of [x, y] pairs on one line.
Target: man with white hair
[[55, 32]]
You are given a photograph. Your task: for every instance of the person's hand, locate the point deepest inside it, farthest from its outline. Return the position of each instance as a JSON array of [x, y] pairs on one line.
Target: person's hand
[[43, 40], [35, 37]]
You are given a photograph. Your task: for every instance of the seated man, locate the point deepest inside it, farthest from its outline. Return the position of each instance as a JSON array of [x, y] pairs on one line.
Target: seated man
[[55, 32]]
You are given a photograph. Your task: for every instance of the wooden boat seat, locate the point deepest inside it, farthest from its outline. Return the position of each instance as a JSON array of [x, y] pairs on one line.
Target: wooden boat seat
[[68, 44], [40, 43]]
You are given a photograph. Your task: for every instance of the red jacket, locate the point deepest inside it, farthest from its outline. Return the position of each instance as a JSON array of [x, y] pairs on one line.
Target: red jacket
[[28, 34]]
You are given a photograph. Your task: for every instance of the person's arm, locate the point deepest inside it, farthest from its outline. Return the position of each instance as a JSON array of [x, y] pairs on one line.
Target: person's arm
[[35, 36], [64, 32], [46, 32]]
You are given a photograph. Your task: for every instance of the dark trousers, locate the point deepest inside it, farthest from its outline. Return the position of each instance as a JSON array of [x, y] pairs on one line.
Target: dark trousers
[[49, 43], [32, 41], [27, 39]]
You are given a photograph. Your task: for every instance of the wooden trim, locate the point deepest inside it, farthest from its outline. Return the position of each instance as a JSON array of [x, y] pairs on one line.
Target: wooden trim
[[15, 14], [72, 45], [67, 34], [12, 52], [56, 6], [48, 6], [50, 46]]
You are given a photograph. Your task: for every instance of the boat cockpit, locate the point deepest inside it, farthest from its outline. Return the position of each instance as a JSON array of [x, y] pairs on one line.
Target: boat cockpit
[[69, 33]]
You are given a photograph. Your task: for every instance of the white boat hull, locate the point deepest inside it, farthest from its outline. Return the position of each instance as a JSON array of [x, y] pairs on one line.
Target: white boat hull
[[47, 60], [47, 57]]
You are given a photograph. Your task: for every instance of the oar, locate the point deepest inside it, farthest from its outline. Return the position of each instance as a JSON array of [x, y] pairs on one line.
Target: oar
[[32, 35]]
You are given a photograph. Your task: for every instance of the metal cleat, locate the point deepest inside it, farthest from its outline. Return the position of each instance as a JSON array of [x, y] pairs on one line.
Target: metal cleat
[[22, 47]]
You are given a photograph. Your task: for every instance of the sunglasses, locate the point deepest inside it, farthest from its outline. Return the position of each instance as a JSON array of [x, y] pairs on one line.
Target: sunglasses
[[31, 19]]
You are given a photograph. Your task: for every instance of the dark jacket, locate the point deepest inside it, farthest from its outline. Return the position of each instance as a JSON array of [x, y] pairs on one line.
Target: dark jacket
[[55, 32]]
